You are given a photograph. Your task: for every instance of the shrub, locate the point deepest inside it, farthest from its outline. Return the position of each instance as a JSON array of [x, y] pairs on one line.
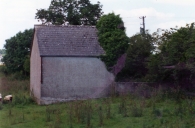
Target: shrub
[[3, 69]]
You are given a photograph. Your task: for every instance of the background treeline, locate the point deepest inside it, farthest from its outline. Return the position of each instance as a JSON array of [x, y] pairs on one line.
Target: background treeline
[[17, 57], [164, 56]]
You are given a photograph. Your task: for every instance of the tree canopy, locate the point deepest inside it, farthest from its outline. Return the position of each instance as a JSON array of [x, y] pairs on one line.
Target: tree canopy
[[140, 48], [18, 51], [76, 12], [112, 38], [179, 46], [176, 59]]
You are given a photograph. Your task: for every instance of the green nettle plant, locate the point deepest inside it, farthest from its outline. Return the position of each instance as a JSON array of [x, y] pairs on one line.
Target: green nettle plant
[[89, 114], [48, 114], [123, 106], [108, 108], [100, 114]]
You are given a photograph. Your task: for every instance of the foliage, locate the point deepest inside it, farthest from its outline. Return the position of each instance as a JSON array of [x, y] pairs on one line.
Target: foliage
[[177, 49], [76, 12], [155, 69], [17, 50], [27, 65], [112, 38], [179, 45], [139, 49]]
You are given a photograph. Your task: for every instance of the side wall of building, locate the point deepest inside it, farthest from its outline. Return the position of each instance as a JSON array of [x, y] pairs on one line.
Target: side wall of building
[[70, 78], [35, 71]]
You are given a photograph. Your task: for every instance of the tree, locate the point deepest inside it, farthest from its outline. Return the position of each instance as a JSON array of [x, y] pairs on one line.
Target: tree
[[156, 72], [112, 38], [76, 12], [140, 48], [18, 51], [177, 54], [180, 46]]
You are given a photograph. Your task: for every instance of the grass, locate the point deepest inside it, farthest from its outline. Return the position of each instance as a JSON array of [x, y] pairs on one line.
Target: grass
[[164, 109]]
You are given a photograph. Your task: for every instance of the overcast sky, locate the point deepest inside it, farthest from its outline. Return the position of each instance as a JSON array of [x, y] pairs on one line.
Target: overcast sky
[[18, 15]]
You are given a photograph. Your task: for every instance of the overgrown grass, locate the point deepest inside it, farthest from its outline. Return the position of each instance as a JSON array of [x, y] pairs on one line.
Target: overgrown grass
[[163, 109], [18, 88]]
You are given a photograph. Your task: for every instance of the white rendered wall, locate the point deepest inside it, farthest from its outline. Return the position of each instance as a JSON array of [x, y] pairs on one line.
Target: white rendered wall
[[71, 78], [35, 71]]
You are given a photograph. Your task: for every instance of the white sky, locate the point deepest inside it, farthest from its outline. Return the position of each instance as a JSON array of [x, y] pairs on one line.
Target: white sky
[[18, 15]]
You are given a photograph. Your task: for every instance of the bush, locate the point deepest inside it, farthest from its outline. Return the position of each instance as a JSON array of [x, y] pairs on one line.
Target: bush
[[3, 69], [18, 76]]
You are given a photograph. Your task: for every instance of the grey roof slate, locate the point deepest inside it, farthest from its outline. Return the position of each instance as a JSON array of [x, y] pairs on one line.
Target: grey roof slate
[[68, 41]]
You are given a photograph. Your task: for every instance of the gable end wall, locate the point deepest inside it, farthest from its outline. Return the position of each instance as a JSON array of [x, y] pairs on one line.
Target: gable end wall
[[35, 71]]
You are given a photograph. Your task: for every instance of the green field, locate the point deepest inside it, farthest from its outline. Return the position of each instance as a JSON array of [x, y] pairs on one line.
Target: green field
[[165, 109]]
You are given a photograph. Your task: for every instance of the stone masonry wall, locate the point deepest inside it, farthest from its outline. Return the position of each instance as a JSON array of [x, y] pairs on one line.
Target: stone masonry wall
[[137, 88]]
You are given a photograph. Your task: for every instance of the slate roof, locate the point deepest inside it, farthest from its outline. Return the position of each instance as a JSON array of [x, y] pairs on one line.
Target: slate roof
[[68, 41]]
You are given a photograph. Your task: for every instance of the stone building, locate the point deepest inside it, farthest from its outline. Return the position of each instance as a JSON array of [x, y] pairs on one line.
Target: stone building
[[65, 64]]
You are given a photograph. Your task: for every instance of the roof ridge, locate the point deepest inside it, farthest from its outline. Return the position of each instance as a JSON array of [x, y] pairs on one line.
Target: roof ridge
[[42, 25]]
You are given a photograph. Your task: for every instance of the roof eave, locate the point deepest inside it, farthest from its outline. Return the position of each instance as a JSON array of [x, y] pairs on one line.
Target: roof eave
[[96, 56]]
